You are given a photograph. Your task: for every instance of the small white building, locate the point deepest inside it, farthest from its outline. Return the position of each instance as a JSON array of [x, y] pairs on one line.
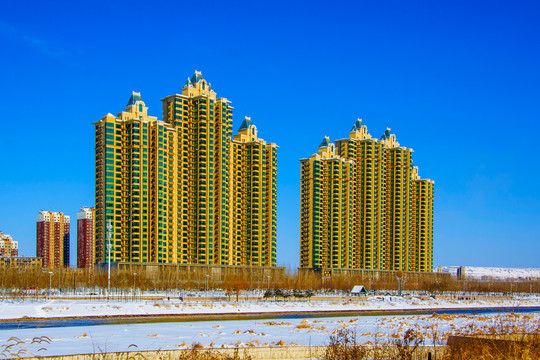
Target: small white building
[[358, 290]]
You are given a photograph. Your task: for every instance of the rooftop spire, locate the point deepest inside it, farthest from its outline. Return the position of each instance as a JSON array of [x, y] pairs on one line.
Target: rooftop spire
[[325, 142], [246, 123], [135, 96], [196, 77], [198, 81], [387, 134], [357, 125]]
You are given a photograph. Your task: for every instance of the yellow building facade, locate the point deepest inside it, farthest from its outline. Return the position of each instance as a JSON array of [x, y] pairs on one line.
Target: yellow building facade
[[166, 186], [422, 222], [368, 157], [390, 207], [326, 224], [254, 195], [8, 246]]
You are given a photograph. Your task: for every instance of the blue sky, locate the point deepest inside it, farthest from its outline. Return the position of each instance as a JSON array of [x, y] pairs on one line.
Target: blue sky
[[457, 81]]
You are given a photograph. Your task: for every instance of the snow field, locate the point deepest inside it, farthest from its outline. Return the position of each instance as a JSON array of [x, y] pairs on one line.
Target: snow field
[[249, 333], [47, 341], [85, 308]]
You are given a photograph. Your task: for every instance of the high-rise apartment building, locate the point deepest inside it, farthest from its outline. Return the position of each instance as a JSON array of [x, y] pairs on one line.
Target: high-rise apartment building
[[8, 246], [327, 184], [86, 238], [53, 239], [368, 157], [168, 188], [253, 188], [422, 224], [399, 205], [389, 213]]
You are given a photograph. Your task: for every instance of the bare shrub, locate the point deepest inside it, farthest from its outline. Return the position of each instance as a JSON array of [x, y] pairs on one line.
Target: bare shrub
[[507, 341], [343, 346], [407, 345], [197, 353]]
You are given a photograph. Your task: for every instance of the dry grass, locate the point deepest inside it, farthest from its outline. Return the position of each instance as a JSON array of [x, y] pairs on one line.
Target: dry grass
[[343, 346], [234, 282], [275, 323], [513, 337], [198, 353], [304, 324], [17, 348]]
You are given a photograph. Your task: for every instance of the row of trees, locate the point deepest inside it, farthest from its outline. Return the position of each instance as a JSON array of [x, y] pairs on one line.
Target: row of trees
[[70, 280]]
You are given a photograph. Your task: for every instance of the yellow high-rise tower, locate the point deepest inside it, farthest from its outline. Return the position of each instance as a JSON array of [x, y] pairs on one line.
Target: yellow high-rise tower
[[204, 126], [327, 200], [254, 198], [368, 156], [124, 180], [422, 223], [399, 170], [166, 187], [390, 209]]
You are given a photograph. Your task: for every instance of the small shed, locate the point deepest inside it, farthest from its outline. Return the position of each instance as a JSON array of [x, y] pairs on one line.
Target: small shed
[[358, 290]]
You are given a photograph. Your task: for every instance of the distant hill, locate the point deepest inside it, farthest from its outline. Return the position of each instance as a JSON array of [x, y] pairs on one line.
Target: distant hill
[[494, 272]]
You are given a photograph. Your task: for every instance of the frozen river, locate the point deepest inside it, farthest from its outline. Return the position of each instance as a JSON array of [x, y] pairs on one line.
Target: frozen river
[[79, 336]]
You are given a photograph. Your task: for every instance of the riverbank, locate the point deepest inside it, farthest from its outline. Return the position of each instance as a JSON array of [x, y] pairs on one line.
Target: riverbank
[[46, 339], [141, 319], [212, 310]]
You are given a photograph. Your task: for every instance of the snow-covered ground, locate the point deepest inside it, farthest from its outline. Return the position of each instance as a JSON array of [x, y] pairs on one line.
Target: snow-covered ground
[[17, 309], [47, 341], [495, 273]]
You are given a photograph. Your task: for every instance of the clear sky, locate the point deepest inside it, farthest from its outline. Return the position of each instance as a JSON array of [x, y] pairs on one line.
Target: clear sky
[[457, 81]]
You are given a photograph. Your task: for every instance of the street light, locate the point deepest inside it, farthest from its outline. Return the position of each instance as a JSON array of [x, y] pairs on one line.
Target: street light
[[50, 276], [268, 277], [207, 276]]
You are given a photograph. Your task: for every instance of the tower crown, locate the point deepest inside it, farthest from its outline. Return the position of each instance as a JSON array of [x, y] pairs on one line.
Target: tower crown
[[197, 85], [359, 130], [389, 138], [248, 128], [136, 105], [246, 123], [387, 134], [196, 77], [325, 143], [357, 125], [135, 97], [327, 149]]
